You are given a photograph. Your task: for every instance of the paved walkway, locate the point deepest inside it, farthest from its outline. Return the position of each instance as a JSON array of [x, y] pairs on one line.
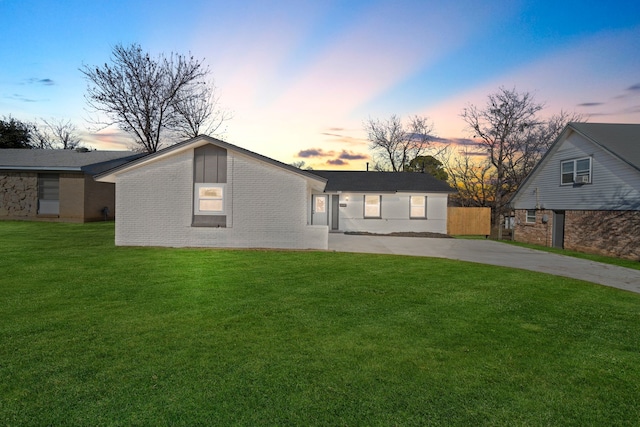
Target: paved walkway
[[491, 252]]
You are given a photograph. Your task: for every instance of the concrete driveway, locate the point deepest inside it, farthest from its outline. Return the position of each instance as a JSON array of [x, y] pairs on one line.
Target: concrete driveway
[[491, 252]]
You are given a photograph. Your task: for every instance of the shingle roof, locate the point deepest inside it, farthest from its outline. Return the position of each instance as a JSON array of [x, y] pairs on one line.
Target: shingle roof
[[623, 140], [90, 162], [382, 181]]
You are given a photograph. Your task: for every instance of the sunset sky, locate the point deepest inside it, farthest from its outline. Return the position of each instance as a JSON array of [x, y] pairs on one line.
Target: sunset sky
[[300, 77]]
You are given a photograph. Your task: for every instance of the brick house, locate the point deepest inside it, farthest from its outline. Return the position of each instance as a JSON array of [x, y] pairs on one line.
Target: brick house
[[57, 185], [584, 194], [208, 193]]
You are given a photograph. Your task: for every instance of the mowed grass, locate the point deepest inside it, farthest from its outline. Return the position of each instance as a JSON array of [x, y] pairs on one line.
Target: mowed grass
[[93, 334]]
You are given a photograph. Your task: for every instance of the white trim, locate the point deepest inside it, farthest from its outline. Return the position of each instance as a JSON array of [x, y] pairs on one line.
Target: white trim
[[423, 206], [379, 205], [110, 175], [574, 162], [198, 199], [44, 169], [527, 217]]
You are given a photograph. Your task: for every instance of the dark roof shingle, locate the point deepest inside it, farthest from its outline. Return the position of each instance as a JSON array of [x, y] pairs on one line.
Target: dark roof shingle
[[382, 181], [621, 139], [90, 162]]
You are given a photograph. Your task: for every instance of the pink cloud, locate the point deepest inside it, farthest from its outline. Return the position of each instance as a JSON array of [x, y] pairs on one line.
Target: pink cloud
[[350, 155], [337, 162], [314, 152]]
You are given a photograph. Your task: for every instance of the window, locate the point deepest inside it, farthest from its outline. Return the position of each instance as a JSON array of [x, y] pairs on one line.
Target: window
[[531, 216], [209, 199], [567, 172], [372, 206], [576, 171], [48, 194], [211, 196], [583, 170], [418, 207], [321, 205]]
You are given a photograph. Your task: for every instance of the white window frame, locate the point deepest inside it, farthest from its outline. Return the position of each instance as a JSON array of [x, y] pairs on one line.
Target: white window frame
[[197, 198], [575, 172], [418, 213], [378, 204], [529, 217]]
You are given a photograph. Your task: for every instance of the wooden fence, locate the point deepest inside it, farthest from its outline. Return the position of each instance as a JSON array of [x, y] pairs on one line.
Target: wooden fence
[[468, 221]]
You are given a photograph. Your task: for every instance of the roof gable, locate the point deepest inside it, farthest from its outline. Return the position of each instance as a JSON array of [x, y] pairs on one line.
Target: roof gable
[[198, 142], [621, 141], [383, 182]]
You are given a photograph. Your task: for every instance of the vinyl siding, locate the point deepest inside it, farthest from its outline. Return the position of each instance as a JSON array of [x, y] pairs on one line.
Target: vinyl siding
[[615, 185]]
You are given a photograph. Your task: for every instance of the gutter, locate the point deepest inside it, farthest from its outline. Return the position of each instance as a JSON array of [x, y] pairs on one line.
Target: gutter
[[43, 168]]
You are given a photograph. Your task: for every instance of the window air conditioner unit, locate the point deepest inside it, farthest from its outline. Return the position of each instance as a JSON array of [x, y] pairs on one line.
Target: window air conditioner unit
[[582, 179]]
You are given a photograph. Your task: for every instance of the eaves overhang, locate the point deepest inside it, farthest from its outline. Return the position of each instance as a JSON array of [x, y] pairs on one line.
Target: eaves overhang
[[42, 168]]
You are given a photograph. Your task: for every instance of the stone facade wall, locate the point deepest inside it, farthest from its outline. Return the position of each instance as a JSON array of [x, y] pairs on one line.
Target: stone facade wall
[[610, 233], [18, 194]]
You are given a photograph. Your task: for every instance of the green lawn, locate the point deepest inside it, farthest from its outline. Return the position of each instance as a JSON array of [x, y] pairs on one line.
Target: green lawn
[[92, 334]]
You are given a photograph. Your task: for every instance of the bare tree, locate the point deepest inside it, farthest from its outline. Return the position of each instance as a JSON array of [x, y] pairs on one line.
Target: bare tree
[[147, 97], [472, 175], [394, 144], [301, 164], [503, 127], [56, 133], [199, 112], [537, 140], [551, 128], [40, 138]]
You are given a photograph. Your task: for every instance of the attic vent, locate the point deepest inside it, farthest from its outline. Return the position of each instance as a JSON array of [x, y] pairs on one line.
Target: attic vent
[[82, 150]]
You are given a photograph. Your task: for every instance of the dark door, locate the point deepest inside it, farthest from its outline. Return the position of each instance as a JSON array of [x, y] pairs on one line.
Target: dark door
[[335, 211], [558, 229]]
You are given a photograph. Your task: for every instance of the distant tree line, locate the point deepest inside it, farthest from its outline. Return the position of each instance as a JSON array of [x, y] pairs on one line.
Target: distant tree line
[[44, 134]]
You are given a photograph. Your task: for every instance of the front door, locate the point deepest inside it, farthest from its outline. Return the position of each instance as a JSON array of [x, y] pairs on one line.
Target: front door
[[335, 212], [320, 211], [558, 229]]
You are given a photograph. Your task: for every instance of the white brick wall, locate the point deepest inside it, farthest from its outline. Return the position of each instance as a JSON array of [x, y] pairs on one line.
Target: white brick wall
[[395, 214], [269, 207]]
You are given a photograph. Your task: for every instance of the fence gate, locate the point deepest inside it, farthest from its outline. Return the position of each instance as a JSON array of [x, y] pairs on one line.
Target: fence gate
[[468, 221]]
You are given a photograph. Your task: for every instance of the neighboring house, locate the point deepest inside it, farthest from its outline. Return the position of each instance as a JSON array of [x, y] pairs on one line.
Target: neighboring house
[[57, 185], [584, 194], [208, 193], [382, 202]]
